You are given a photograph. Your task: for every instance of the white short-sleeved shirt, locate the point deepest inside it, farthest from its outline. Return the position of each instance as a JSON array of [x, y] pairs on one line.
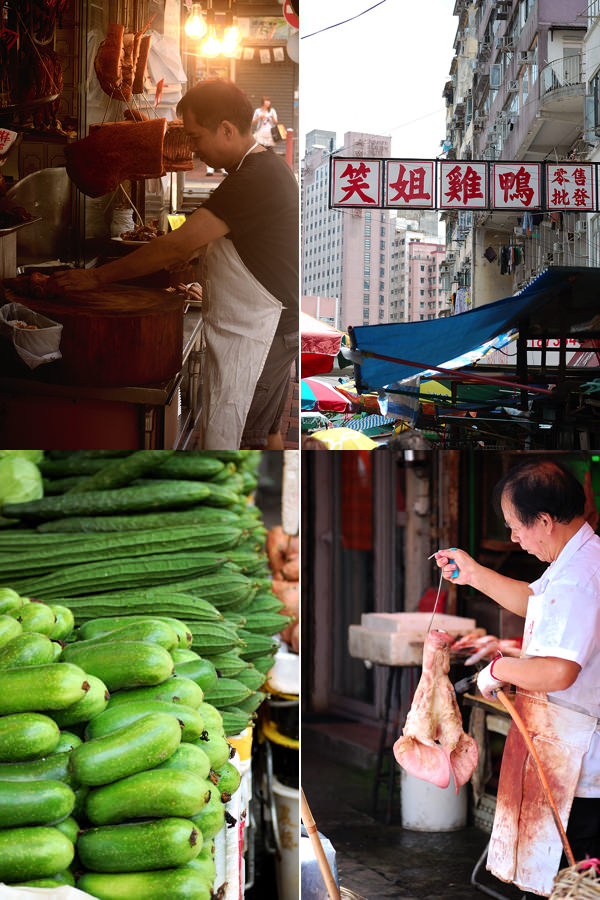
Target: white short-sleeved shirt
[[563, 620]]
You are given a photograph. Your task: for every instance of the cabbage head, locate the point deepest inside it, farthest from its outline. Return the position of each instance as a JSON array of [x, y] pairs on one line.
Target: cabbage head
[[20, 480], [35, 456]]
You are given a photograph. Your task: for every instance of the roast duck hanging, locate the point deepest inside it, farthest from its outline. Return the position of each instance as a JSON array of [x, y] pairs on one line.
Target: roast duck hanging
[[138, 147]]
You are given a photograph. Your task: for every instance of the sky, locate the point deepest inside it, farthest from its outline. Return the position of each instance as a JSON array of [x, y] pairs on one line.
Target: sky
[[382, 73]]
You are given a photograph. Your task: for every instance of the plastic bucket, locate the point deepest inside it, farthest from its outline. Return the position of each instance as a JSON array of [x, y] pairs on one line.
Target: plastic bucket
[[426, 807], [287, 805]]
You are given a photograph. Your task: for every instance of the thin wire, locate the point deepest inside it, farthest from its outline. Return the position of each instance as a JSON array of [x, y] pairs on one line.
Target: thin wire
[[357, 16], [436, 601]]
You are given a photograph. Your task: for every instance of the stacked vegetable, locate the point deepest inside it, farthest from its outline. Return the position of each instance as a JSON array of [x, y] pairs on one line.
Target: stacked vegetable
[[159, 559]]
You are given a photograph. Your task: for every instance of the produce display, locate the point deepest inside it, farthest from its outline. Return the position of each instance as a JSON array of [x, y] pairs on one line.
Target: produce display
[[137, 624]]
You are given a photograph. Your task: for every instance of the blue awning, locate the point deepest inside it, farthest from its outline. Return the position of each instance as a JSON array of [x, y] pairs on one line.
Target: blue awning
[[456, 341]]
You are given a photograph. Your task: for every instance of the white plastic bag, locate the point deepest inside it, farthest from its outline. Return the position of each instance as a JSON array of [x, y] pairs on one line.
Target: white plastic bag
[[35, 346], [64, 892]]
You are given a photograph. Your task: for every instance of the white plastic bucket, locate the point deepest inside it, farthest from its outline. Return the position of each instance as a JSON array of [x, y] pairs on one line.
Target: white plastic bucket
[[287, 805], [426, 807]]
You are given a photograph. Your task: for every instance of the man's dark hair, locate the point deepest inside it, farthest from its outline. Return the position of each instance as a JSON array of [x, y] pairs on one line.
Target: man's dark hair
[[541, 486], [214, 100]]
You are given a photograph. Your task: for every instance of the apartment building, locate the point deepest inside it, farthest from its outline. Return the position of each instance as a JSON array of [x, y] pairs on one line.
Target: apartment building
[[345, 253], [417, 283], [517, 91]]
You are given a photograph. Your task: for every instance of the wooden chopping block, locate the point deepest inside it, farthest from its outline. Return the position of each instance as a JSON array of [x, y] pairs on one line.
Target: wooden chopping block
[[117, 336]]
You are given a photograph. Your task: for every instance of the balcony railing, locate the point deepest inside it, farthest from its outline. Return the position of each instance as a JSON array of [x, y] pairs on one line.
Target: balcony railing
[[561, 73]]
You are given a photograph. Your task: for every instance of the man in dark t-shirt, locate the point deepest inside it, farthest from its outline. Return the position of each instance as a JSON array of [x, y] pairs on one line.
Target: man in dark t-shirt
[[250, 224]]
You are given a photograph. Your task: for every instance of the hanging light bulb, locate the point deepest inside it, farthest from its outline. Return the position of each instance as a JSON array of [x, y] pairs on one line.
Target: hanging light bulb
[[195, 26], [211, 46], [232, 36]]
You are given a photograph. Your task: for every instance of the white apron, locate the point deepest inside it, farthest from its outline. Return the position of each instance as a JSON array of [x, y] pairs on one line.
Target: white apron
[[240, 318], [525, 846]]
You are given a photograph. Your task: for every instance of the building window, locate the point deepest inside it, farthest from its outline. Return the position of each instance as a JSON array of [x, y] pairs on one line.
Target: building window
[[366, 285], [366, 315], [381, 300], [365, 299], [381, 313], [382, 245], [367, 270]]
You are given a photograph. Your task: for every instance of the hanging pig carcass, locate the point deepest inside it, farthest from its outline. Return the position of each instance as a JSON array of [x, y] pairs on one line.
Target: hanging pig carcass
[[433, 744]]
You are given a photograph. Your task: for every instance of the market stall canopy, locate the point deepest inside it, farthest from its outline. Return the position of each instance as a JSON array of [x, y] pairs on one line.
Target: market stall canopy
[[311, 420], [344, 439], [454, 342], [319, 394], [319, 344]]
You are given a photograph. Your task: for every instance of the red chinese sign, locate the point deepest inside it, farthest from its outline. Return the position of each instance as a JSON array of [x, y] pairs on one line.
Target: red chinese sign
[[463, 185], [570, 186], [356, 182], [517, 186], [410, 184]]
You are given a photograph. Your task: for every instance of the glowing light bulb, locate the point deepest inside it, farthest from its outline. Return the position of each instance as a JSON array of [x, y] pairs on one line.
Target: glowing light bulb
[[211, 46], [195, 26], [232, 38]]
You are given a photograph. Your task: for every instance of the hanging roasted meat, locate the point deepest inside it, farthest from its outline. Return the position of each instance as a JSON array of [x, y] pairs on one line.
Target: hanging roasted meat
[[109, 60], [433, 745], [40, 75], [177, 150], [114, 152], [142, 61], [131, 49]]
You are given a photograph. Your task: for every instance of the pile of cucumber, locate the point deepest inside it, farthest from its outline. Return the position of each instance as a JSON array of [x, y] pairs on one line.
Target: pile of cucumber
[[114, 770], [152, 585], [161, 533]]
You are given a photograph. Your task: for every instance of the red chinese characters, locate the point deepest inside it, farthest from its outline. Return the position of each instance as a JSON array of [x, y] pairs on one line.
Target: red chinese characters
[[356, 182], [570, 186], [409, 184], [516, 186], [463, 185]]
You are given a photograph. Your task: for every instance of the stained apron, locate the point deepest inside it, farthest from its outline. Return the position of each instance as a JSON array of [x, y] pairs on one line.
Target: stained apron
[[525, 846], [240, 318]]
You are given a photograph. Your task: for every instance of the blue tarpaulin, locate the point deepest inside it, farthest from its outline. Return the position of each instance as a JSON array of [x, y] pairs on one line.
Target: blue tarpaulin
[[452, 342]]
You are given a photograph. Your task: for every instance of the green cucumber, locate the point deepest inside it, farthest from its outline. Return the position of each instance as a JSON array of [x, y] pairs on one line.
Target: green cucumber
[[117, 473], [196, 515], [201, 671], [157, 602], [228, 692], [90, 705], [229, 665], [267, 622], [190, 758], [139, 745], [27, 649], [25, 736], [213, 718], [126, 664], [9, 628], [182, 883], [67, 742], [46, 687], [152, 631], [211, 817], [189, 720], [36, 617], [53, 768], [251, 677], [128, 499], [139, 571], [152, 794], [183, 654], [139, 846], [33, 852], [186, 465], [234, 721], [34, 802], [65, 622], [106, 624], [174, 690], [229, 781], [69, 827], [216, 748]]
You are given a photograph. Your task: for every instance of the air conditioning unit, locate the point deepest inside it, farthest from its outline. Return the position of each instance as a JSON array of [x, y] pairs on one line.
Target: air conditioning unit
[[485, 47], [513, 86], [504, 43], [527, 56], [581, 226]]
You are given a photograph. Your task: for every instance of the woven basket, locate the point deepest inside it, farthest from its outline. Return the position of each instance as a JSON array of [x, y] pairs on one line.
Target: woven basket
[[351, 895], [572, 884]]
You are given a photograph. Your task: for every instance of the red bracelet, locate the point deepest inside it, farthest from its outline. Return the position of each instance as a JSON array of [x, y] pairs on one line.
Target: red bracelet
[[495, 660]]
